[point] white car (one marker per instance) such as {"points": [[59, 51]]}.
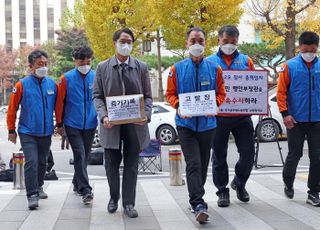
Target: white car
{"points": [[4, 109], [271, 126], [163, 125]]}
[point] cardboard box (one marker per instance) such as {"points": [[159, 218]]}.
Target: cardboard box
{"points": [[125, 109]]}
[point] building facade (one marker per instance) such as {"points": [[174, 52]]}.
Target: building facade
{"points": [[31, 22]]}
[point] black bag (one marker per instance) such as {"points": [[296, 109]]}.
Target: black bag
{"points": [[6, 175], [96, 157], [51, 175]]}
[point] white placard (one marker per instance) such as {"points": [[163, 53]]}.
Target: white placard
{"points": [[200, 103], [247, 92], [125, 107]]}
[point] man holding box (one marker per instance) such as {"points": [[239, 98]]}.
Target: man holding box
{"points": [[116, 76], [196, 133]]}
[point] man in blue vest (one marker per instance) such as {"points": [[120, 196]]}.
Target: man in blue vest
{"points": [[196, 134], [36, 96], [298, 98], [240, 126], [75, 111]]}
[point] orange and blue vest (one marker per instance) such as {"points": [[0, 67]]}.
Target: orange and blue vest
{"points": [[193, 78], [79, 110], [303, 97], [37, 106]]}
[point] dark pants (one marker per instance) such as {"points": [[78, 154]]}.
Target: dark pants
{"points": [[196, 147], [242, 129], [64, 142], [296, 137], [50, 161], [80, 141], [130, 153], [35, 150]]}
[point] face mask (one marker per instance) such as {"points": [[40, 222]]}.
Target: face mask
{"points": [[228, 49], [124, 49], [42, 72], [84, 69], [308, 57], [196, 50]]}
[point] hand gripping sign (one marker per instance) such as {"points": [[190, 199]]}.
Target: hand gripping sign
{"points": [[202, 103], [247, 92], [125, 109]]}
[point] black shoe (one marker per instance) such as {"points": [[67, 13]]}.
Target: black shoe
{"points": [[224, 199], [112, 205], [242, 193], [33, 202], [313, 199], [201, 214], [130, 212], [288, 191], [87, 198], [76, 190]]}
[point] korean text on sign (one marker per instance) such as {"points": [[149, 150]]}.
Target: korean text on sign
{"points": [[247, 92], [198, 103]]}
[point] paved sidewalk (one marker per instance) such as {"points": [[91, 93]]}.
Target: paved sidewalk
{"points": [[161, 206]]}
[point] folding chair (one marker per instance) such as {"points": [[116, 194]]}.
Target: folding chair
{"points": [[150, 157]]}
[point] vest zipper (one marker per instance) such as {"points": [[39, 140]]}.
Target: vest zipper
{"points": [[85, 103], [310, 86], [197, 89], [44, 109]]}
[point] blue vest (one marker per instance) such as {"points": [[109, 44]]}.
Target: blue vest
{"points": [[37, 106], [239, 62], [304, 90], [79, 110], [192, 79]]}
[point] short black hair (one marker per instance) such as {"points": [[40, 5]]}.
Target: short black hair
{"points": [[118, 33], [197, 29], [82, 52], [38, 53], [230, 30], [309, 38]]}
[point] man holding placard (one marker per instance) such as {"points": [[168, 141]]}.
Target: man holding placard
{"points": [[123, 100], [299, 103], [239, 125], [195, 89]]}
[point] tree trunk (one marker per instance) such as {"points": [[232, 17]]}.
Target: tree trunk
{"points": [[290, 37], [160, 87]]}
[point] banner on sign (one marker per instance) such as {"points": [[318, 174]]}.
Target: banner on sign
{"points": [[247, 92], [198, 103], [125, 109]]}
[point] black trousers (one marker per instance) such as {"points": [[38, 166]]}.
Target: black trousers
{"points": [[196, 148], [80, 141], [242, 129], [296, 137], [128, 150]]}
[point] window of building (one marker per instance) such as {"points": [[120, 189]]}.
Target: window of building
{"points": [[22, 18], [36, 22]]}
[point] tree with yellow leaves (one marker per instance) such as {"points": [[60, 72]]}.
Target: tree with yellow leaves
{"points": [[283, 18]]}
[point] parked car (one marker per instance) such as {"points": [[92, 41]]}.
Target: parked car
{"points": [[162, 125], [4, 109], [271, 126]]}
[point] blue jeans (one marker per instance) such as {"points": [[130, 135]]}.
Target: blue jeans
{"points": [[35, 150]]}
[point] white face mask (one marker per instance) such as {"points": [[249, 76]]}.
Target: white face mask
{"points": [[42, 72], [228, 49], [124, 49], [196, 50], [308, 57], [84, 69]]}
